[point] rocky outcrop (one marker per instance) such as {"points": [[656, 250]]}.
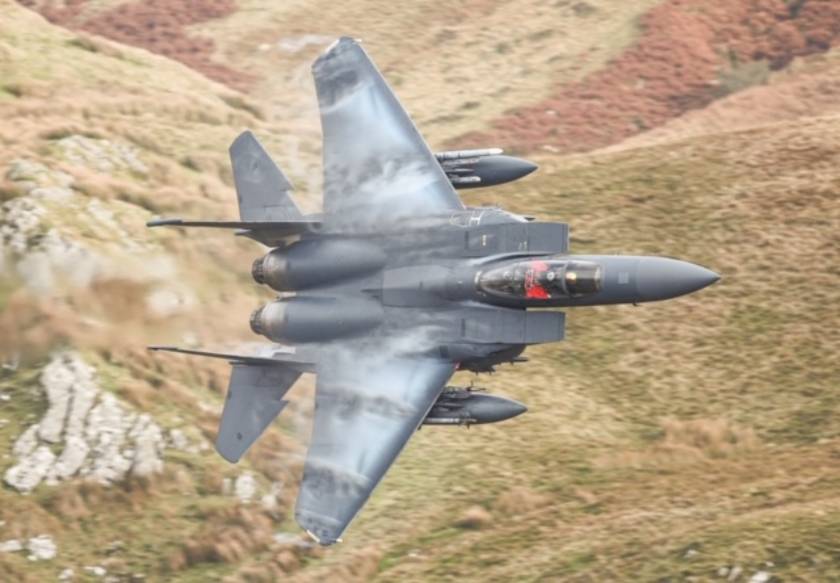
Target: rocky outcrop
{"points": [[98, 437], [102, 155]]}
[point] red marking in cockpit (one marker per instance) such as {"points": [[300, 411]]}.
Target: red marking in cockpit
{"points": [[534, 290]]}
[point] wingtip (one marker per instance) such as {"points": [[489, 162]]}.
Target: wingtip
{"points": [[322, 542], [246, 137], [337, 46]]}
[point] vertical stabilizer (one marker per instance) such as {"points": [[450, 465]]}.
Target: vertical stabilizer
{"points": [[263, 191]]}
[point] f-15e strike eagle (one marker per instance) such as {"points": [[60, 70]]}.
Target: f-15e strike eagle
{"points": [[396, 285]]}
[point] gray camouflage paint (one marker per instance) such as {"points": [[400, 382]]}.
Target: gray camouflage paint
{"points": [[397, 285]]}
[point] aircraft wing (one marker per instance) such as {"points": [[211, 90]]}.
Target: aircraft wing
{"points": [[365, 411], [377, 167]]}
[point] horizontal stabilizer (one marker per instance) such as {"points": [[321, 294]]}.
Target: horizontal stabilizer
{"points": [[261, 187], [233, 358], [254, 399], [269, 233]]}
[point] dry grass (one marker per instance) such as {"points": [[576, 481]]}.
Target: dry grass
{"points": [[706, 423]]}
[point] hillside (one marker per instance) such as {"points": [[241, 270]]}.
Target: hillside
{"points": [[695, 439]]}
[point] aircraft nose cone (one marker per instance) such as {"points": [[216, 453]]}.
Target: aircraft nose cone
{"points": [[660, 278]]}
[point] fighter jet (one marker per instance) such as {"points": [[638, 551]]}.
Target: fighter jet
{"points": [[394, 287]]}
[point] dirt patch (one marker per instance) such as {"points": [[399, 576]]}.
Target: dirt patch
{"points": [[689, 55], [159, 26]]}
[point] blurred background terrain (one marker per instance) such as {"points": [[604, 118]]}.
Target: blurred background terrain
{"points": [[697, 439]]}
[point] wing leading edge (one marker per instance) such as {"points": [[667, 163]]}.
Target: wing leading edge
{"points": [[377, 167], [365, 412]]}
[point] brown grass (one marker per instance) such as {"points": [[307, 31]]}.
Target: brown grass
{"points": [[687, 57]]}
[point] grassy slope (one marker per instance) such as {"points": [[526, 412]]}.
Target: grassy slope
{"points": [[623, 481], [705, 423], [56, 84]]}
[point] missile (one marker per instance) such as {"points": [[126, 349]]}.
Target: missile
{"points": [[467, 406], [478, 168], [461, 154]]}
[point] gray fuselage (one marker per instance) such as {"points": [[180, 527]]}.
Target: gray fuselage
{"points": [[461, 283]]}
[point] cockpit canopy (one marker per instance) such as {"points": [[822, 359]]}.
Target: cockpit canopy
{"points": [[541, 279]]}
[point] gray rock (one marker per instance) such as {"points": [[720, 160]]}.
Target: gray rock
{"points": [[760, 577]]}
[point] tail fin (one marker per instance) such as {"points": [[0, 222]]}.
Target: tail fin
{"points": [[261, 187]]}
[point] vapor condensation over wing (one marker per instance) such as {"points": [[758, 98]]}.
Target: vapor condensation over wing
{"points": [[366, 409], [377, 167]]}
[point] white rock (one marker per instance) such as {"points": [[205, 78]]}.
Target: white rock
{"points": [[72, 458], [66, 575], [41, 548], [148, 440], [31, 174], [101, 155], [84, 395], [178, 439], [269, 500], [52, 193], [27, 442], [101, 438], [57, 379], [294, 44], [245, 487], [11, 546], [96, 570], [760, 577], [287, 538], [734, 573], [20, 219], [30, 470], [165, 302], [106, 429]]}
